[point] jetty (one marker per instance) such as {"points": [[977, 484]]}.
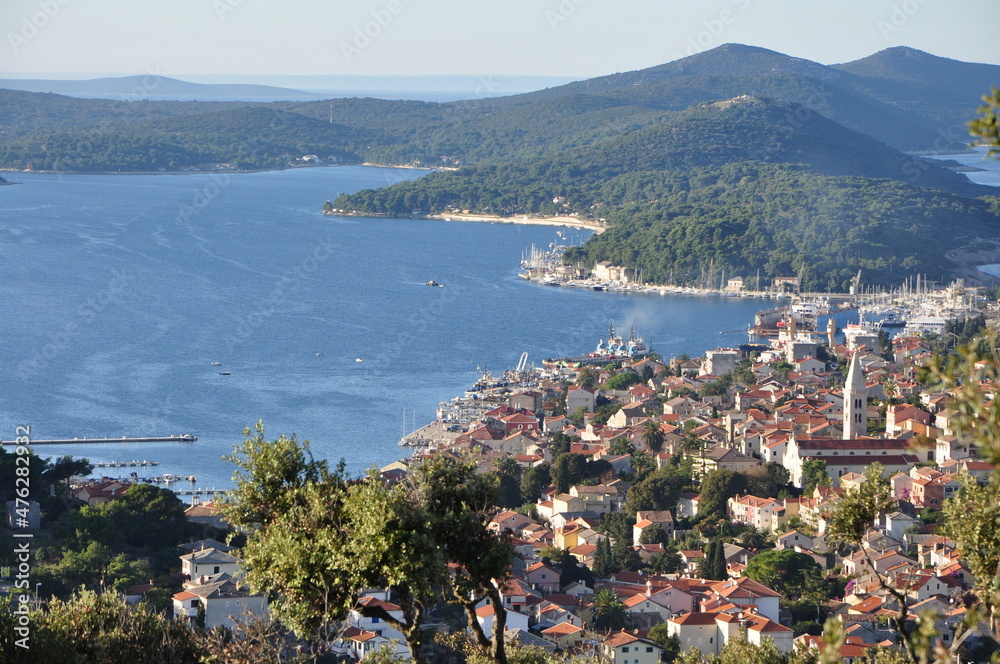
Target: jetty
{"points": [[183, 438], [125, 464]]}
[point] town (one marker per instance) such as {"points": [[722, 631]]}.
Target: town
{"points": [[667, 507]]}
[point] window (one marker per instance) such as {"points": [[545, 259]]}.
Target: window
{"points": [[625, 649], [375, 619], [711, 640], [216, 570], [649, 648]]}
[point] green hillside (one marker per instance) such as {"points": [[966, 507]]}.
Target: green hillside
{"points": [[741, 185]]}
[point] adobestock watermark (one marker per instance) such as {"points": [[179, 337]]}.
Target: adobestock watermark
{"points": [[202, 197], [33, 24], [224, 7], [562, 12], [901, 14], [60, 339], [713, 29], [22, 539], [288, 283], [88, 151], [364, 35]]}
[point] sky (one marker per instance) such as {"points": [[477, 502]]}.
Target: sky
{"points": [[575, 38]]}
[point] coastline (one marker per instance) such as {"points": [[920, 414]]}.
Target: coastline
{"points": [[572, 222]]}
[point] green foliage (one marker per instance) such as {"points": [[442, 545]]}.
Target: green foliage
{"points": [[653, 436], [713, 565], [533, 481], [609, 611], [604, 560], [813, 475], [102, 629], [617, 525], [660, 635], [787, 571], [625, 556], [987, 125], [717, 487], [659, 490], [621, 381]]}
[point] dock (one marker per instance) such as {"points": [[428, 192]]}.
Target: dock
{"points": [[183, 438], [125, 464]]}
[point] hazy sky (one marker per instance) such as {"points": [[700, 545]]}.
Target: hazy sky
{"points": [[580, 38]]}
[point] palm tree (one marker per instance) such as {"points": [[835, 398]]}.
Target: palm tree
{"points": [[653, 436], [751, 538], [609, 610], [508, 466]]}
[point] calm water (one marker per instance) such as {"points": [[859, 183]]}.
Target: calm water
{"points": [[120, 291]]}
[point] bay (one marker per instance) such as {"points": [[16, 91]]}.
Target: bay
{"points": [[120, 291]]}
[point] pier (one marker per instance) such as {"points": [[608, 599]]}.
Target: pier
{"points": [[183, 438], [125, 464]]}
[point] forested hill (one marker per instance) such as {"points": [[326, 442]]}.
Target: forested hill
{"points": [[908, 102], [742, 185]]}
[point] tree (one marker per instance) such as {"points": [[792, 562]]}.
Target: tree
{"points": [[659, 491], [987, 126], [848, 525], [609, 611], [533, 481], [625, 555], [604, 560], [332, 538], [713, 565], [814, 475], [653, 436], [660, 635], [567, 470], [717, 487], [752, 538], [101, 627], [667, 562], [786, 571]]}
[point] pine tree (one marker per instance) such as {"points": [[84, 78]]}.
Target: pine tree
{"points": [[719, 564], [604, 563]]}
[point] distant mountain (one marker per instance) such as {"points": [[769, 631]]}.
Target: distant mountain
{"points": [[151, 86], [744, 184], [940, 89], [751, 129], [739, 157]]}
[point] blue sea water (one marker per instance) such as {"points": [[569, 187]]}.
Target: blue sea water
{"points": [[120, 291]]}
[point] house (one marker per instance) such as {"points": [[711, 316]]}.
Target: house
{"points": [[375, 625], [206, 562], [644, 519], [579, 397], [223, 599], [601, 498], [564, 635], [698, 631], [748, 593], [206, 513], [641, 605], [542, 577], [625, 648], [100, 492], [358, 645], [515, 620], [765, 514]]}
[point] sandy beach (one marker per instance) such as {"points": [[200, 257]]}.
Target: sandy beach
{"points": [[572, 222]]}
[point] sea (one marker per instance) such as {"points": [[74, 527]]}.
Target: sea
{"points": [[121, 292], [126, 297]]}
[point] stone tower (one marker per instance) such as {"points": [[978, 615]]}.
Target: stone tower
{"points": [[855, 401]]}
